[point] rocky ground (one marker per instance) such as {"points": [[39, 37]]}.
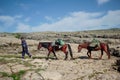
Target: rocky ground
{"points": [[12, 67]]}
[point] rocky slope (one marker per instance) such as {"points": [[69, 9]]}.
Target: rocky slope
{"points": [[12, 67]]}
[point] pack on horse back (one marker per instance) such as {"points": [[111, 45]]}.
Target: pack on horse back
{"points": [[59, 42], [94, 44]]}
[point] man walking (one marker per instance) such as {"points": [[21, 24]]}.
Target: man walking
{"points": [[24, 48]]}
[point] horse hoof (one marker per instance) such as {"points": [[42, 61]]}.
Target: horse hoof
{"points": [[56, 59], [65, 59], [46, 58], [90, 58], [72, 59], [100, 58]]}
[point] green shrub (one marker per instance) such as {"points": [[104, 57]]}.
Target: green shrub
{"points": [[15, 76], [17, 35]]}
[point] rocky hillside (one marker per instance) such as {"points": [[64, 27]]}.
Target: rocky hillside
{"points": [[13, 67], [71, 37]]}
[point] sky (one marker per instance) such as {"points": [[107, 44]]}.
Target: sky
{"points": [[58, 15]]}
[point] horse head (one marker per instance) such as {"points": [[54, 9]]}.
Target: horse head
{"points": [[39, 46]]}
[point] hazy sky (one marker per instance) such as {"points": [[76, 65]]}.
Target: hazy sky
{"points": [[58, 15]]}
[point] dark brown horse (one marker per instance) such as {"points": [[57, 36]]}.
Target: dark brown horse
{"points": [[53, 48], [102, 47]]}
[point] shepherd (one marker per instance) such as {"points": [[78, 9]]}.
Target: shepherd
{"points": [[24, 48]]}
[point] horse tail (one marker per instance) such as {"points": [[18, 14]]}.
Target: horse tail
{"points": [[70, 50], [108, 49]]}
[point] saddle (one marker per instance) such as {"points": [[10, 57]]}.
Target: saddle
{"points": [[94, 44], [59, 43]]}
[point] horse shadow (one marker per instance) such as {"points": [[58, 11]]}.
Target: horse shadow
{"points": [[85, 57], [52, 58]]}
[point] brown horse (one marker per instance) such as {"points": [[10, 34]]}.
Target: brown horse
{"points": [[53, 48], [102, 47]]}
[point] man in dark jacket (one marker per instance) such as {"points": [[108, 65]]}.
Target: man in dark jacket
{"points": [[24, 48]]}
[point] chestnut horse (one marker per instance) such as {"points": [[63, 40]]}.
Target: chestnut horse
{"points": [[53, 48], [102, 47]]}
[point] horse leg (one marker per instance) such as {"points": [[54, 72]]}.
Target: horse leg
{"points": [[106, 49], [66, 55], [108, 53], [101, 54], [48, 56], [65, 52], [90, 55], [55, 55]]}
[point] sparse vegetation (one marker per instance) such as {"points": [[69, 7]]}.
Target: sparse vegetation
{"points": [[38, 68], [16, 59], [94, 74], [15, 76], [17, 35]]}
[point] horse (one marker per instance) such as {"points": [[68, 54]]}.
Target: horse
{"points": [[103, 47], [53, 48]]}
